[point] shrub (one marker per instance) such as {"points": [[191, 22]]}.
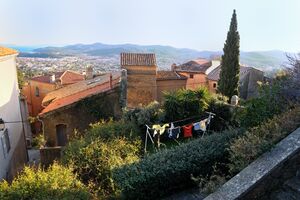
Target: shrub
{"points": [[223, 118], [94, 161], [169, 170], [185, 103], [103, 148], [211, 183], [260, 139], [270, 102], [57, 182], [38, 141], [152, 113], [107, 130]]}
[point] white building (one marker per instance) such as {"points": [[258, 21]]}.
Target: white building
{"points": [[13, 153]]}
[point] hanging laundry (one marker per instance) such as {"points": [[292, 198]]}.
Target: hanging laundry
{"points": [[187, 131], [174, 132], [203, 125], [200, 125], [159, 129]]}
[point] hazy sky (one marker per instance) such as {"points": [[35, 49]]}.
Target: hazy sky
{"points": [[197, 24]]}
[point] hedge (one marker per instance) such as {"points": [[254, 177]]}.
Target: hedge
{"points": [[57, 182], [262, 138], [170, 170]]}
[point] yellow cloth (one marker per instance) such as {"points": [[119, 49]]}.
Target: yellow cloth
{"points": [[159, 129], [203, 125]]}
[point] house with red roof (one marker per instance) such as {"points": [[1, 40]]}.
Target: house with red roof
{"points": [[38, 87], [76, 106], [146, 83]]}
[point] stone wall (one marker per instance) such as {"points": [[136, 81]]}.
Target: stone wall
{"points": [[198, 79], [49, 155], [141, 85], [264, 175], [168, 86], [79, 116]]}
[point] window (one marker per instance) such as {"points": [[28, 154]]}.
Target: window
{"points": [[37, 92], [214, 85], [5, 141], [191, 75]]}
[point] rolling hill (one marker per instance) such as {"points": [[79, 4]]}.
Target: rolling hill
{"points": [[166, 55]]}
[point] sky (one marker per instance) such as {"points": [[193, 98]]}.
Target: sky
{"points": [[197, 24]]}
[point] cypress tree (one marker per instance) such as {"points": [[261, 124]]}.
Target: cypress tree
{"points": [[230, 68]]}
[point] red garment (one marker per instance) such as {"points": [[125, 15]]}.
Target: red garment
{"points": [[187, 131]]}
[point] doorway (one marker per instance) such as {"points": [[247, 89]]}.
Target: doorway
{"points": [[61, 135]]}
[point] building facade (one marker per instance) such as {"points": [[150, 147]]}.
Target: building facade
{"points": [[38, 87], [248, 81], [76, 106], [13, 152], [146, 84]]}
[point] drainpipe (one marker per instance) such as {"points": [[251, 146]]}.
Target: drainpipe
{"points": [[23, 128]]}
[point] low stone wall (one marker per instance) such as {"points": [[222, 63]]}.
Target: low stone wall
{"points": [[265, 174], [49, 155]]}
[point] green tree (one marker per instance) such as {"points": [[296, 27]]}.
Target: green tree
{"points": [[21, 79], [230, 67]]}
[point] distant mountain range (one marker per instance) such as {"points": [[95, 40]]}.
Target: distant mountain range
{"points": [[166, 55]]}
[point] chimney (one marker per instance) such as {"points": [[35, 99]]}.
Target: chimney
{"points": [[173, 67], [52, 78], [89, 73], [110, 80]]}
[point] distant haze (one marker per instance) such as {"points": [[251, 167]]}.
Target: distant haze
{"points": [[268, 61], [197, 24]]}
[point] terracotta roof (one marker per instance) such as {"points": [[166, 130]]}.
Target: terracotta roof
{"points": [[169, 75], [69, 77], [77, 87], [138, 59], [77, 95], [198, 65], [7, 51], [66, 77], [47, 78], [215, 74]]}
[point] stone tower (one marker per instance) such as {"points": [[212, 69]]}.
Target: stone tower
{"points": [[141, 78]]}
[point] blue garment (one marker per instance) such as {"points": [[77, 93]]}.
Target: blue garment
{"points": [[197, 126]]}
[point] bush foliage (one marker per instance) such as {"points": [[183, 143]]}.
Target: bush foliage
{"points": [[167, 171], [150, 114], [259, 139], [270, 102], [57, 182], [105, 147], [185, 103]]}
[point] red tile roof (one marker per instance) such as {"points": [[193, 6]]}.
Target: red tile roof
{"points": [[7, 51], [138, 59], [69, 77], [169, 75], [47, 78], [65, 77], [69, 95], [197, 66]]}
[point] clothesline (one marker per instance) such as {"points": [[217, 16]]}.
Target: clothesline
{"points": [[175, 131], [185, 119]]}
